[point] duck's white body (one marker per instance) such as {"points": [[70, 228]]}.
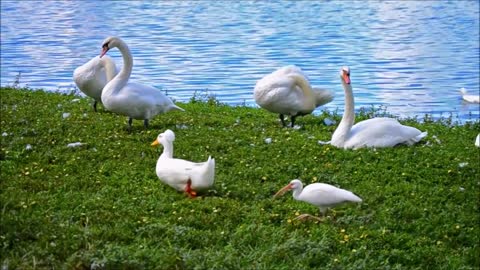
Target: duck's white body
{"points": [[321, 195], [376, 132], [469, 98], [92, 76], [137, 101], [181, 174], [477, 141], [287, 91]]}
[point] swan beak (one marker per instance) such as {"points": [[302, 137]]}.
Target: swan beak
{"points": [[155, 143], [283, 191], [346, 78], [104, 51]]}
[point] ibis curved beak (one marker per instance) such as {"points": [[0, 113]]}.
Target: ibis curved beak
{"points": [[155, 143], [283, 191]]}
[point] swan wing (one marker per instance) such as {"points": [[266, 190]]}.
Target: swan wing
{"points": [[382, 132]]}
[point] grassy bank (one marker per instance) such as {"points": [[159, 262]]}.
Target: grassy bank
{"points": [[101, 205]]}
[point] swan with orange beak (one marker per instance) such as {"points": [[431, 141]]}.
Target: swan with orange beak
{"points": [[322, 195]]}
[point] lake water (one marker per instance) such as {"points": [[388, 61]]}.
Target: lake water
{"points": [[410, 56]]}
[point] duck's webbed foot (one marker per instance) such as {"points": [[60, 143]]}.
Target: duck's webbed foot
{"points": [[188, 189]]}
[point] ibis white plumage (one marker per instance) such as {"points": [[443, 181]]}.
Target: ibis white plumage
{"points": [[322, 195]]}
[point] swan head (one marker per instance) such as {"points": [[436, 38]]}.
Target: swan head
{"points": [[345, 74], [109, 43], [293, 185], [166, 137]]}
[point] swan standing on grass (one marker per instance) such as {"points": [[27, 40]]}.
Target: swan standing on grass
{"points": [[287, 91], [322, 195], [181, 174], [137, 101], [375, 132], [91, 77], [469, 98]]}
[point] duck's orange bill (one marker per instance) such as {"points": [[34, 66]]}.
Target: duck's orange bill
{"points": [[282, 191], [155, 143]]}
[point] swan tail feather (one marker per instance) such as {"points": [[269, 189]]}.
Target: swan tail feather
{"points": [[174, 107], [353, 198], [322, 96], [210, 170]]}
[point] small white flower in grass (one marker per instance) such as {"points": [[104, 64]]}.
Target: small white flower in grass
{"points": [[14, 107], [65, 115], [329, 122], [182, 126], [75, 100], [84, 115], [436, 139], [59, 105], [268, 140], [461, 189], [4, 134], [28, 147], [75, 144], [462, 164], [297, 127]]}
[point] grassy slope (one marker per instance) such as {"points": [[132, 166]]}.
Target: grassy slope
{"points": [[102, 204]]}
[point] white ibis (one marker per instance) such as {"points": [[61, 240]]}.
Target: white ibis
{"points": [[322, 195]]}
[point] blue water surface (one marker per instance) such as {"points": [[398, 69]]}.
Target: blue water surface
{"points": [[411, 57]]}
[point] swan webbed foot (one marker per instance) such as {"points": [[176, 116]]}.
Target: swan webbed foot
{"points": [[304, 217], [292, 120], [130, 121], [283, 120], [145, 123]]}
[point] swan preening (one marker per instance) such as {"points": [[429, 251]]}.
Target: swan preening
{"points": [[137, 101], [375, 132], [287, 91], [92, 76], [181, 174], [469, 98], [322, 195]]}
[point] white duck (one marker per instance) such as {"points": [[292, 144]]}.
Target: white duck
{"points": [[92, 76], [181, 174], [322, 195], [375, 132], [287, 91], [477, 140], [137, 101], [469, 98]]}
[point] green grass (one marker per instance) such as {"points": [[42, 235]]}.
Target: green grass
{"points": [[102, 206]]}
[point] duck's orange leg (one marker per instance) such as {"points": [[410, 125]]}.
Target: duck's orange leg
{"points": [[188, 189]]}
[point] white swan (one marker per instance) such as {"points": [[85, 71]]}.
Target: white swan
{"points": [[137, 101], [375, 132], [322, 195], [181, 174], [469, 98], [287, 91], [92, 76]]}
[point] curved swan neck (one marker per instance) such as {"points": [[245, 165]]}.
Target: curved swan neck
{"points": [[296, 192], [127, 61], [348, 115]]}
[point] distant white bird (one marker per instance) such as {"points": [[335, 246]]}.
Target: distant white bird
{"points": [[477, 141], [469, 98], [287, 91], [181, 174], [92, 76], [137, 101], [375, 132], [322, 195]]}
